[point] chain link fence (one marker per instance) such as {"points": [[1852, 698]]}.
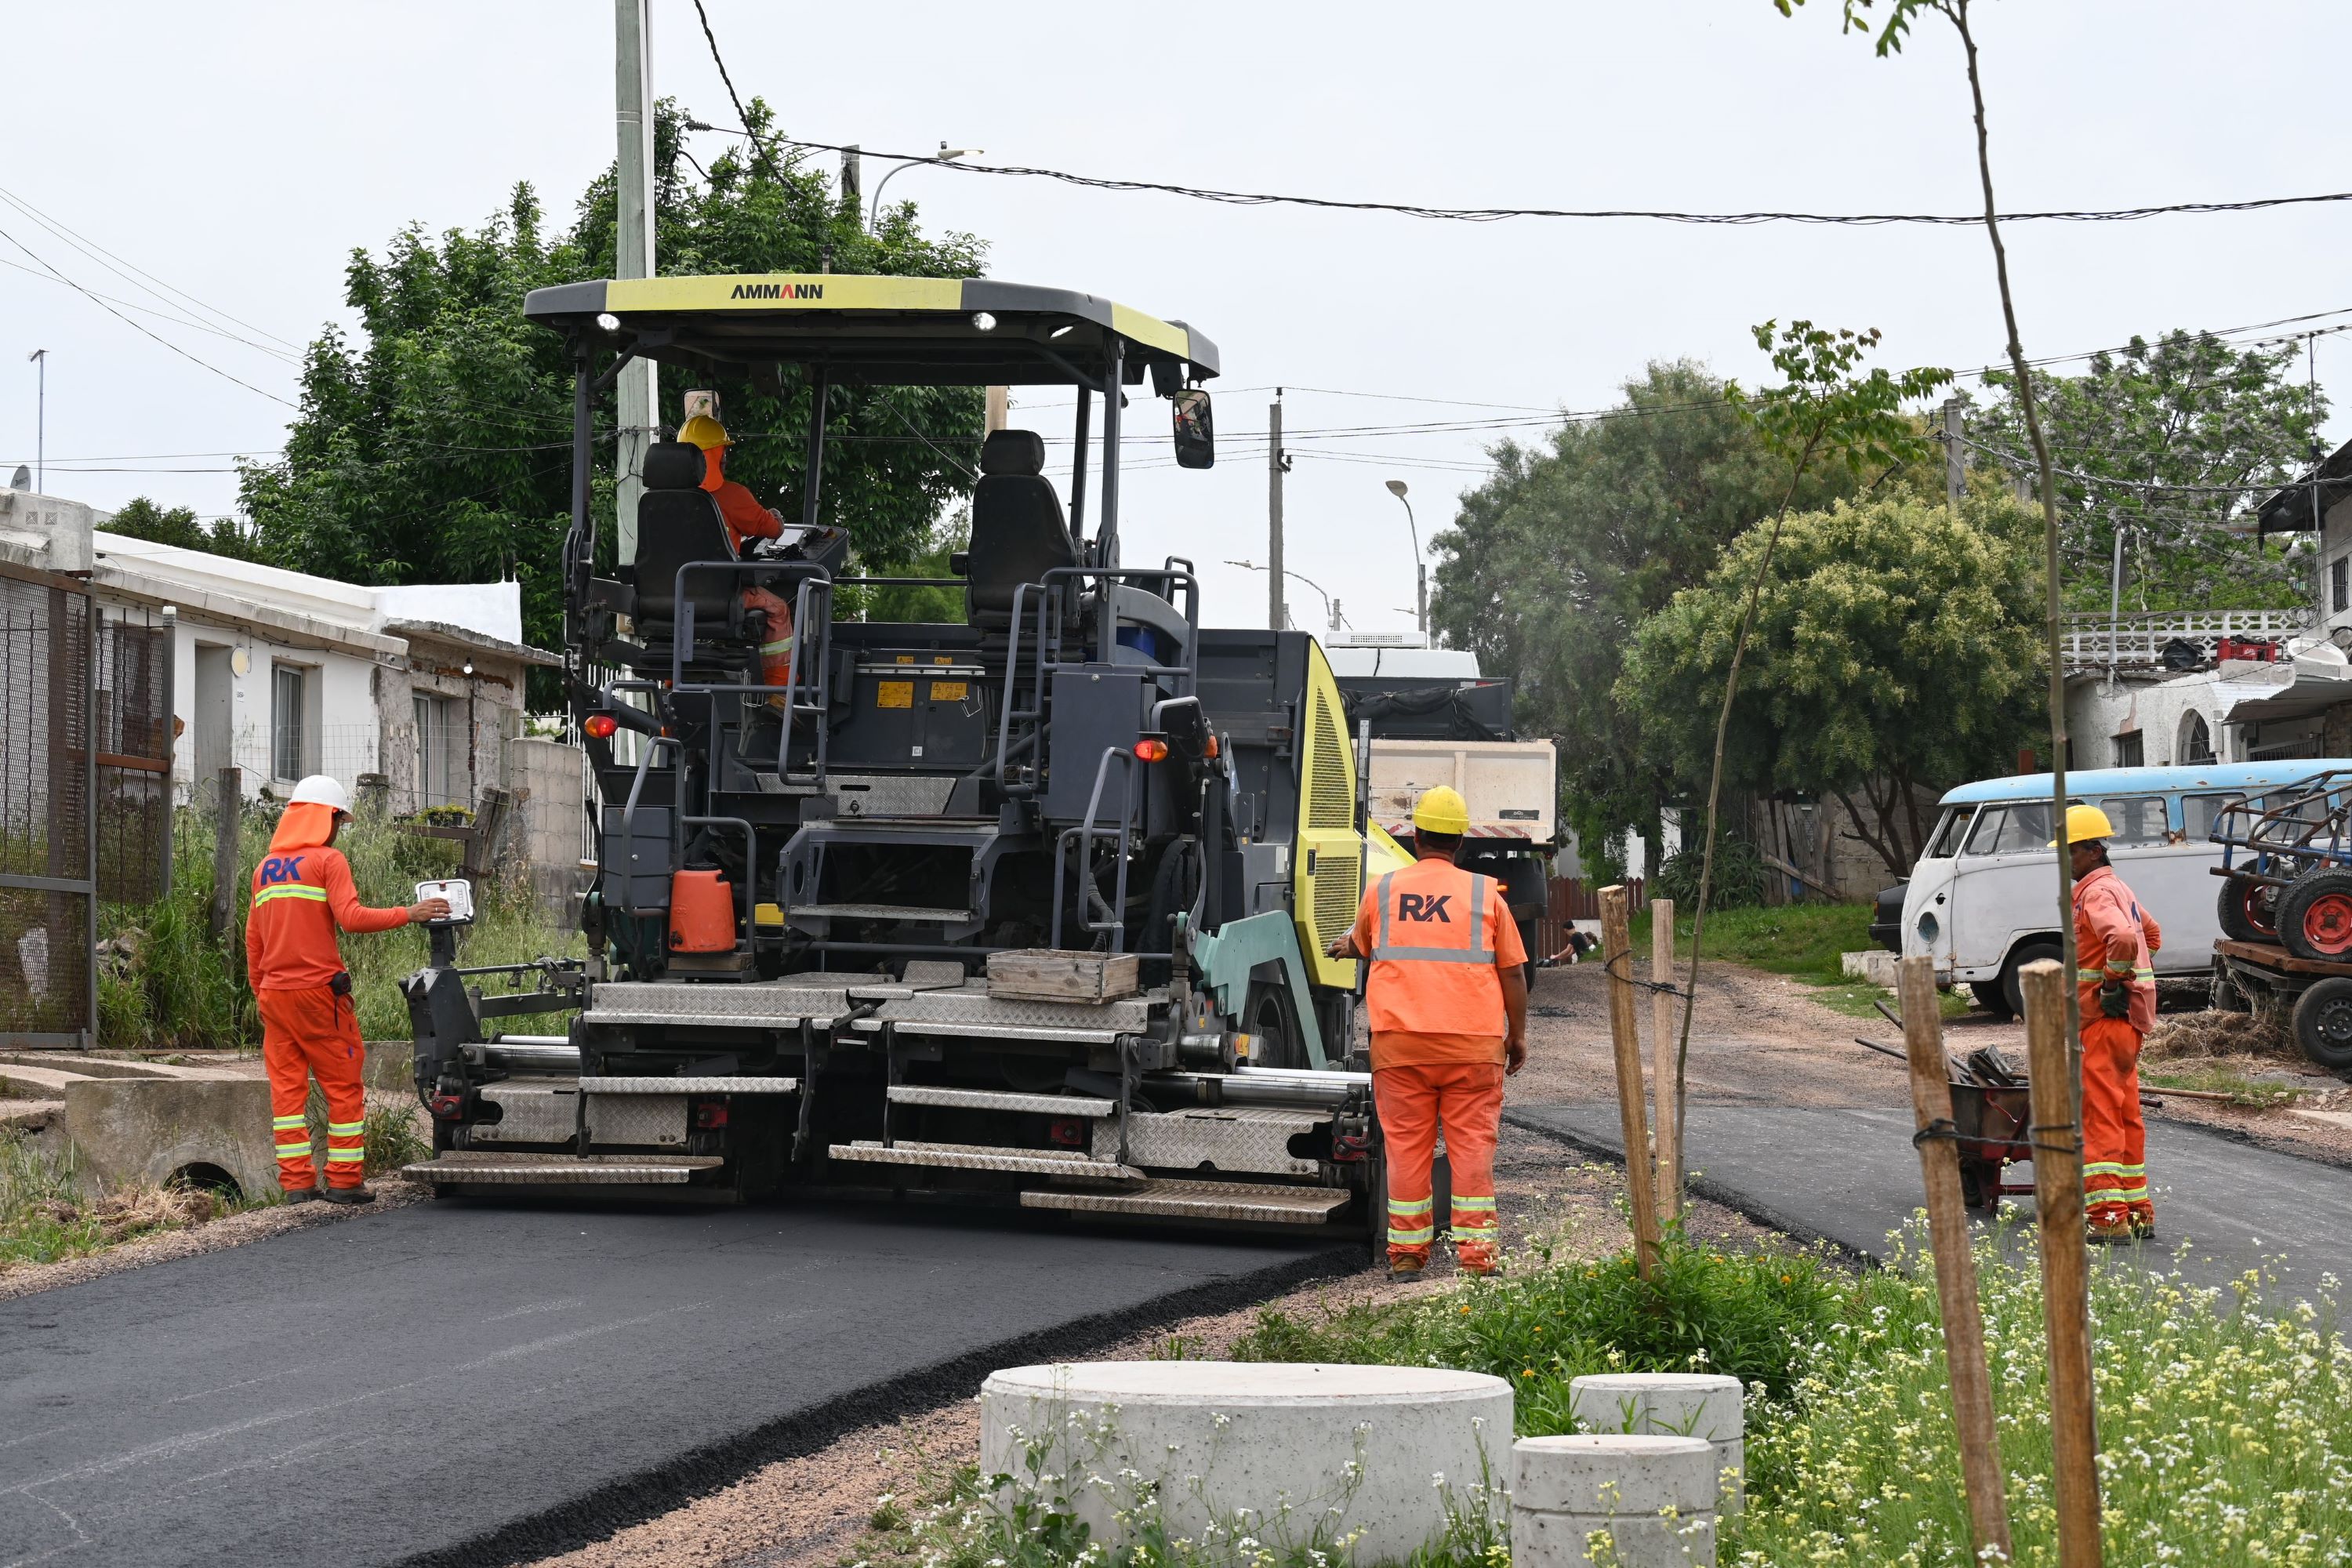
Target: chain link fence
{"points": [[47, 878]]}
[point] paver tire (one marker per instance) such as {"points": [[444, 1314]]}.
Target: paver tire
{"points": [[2027, 952], [2314, 916], [2322, 1024], [2248, 909]]}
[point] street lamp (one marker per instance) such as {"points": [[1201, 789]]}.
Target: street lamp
{"points": [[944, 156], [40, 358], [1330, 605], [1421, 570]]}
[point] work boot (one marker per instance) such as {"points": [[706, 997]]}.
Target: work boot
{"points": [[2143, 1221], [1407, 1268], [300, 1194], [2106, 1226], [348, 1195]]}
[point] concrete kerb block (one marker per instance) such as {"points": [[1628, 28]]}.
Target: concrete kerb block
{"points": [[1631, 1500], [1709, 1406], [127, 1129], [1360, 1461], [1874, 966]]}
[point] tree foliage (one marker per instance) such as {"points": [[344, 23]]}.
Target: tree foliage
{"points": [[2224, 424], [1551, 564], [434, 442], [1895, 648], [143, 518]]}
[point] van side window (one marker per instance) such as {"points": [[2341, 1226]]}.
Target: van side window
{"points": [[2200, 812], [1946, 843], [2010, 830], [2138, 819]]}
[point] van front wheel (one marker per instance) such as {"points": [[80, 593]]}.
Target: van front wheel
{"points": [[2027, 952]]}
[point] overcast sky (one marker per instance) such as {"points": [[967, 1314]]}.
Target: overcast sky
{"points": [[239, 152]]}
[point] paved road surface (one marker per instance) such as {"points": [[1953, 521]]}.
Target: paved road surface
{"points": [[1849, 1174], [454, 1382]]}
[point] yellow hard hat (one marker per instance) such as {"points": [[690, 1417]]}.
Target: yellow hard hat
{"points": [[1442, 810], [704, 432], [2084, 822]]}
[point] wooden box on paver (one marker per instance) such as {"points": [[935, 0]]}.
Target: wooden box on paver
{"points": [[1376, 1452]]}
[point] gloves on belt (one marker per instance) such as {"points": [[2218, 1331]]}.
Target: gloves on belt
{"points": [[2114, 999]]}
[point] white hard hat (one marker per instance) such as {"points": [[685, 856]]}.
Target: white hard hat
{"points": [[320, 790]]}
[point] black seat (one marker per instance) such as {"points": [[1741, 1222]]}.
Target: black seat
{"points": [[1018, 530], [678, 521]]}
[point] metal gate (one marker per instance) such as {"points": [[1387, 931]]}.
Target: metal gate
{"points": [[132, 718], [49, 868]]}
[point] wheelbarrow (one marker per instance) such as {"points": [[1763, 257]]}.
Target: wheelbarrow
{"points": [[1991, 1108]]}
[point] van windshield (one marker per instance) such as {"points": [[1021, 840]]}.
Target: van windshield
{"points": [[2010, 829], [1946, 842]]}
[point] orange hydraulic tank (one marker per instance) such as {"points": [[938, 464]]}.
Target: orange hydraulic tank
{"points": [[701, 912]]}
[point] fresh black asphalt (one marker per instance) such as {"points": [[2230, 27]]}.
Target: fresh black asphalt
{"points": [[1850, 1176], [455, 1383]]}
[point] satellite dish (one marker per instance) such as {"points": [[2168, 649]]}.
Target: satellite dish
{"points": [[22, 479]]}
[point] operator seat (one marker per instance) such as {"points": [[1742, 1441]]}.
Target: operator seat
{"points": [[1018, 530], [677, 522]]}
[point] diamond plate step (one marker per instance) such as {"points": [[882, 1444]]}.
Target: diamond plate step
{"points": [[999, 1100], [602, 1171], [727, 1085], [1169, 1199], [985, 1157]]}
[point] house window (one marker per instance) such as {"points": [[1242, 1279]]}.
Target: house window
{"points": [[441, 752], [2339, 583], [2129, 751], [2196, 742], [293, 745]]}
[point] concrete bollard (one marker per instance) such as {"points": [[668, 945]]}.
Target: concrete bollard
{"points": [[1359, 1461], [1707, 1405], [1631, 1501]]}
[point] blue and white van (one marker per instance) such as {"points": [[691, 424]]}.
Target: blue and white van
{"points": [[1983, 898]]}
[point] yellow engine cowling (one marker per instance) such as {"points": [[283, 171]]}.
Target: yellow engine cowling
{"points": [[1327, 860]]}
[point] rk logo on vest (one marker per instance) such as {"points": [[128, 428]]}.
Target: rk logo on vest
{"points": [[1424, 907]]}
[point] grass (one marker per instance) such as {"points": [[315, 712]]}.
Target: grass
{"points": [[172, 987], [2258, 1094], [44, 1219], [1804, 942]]}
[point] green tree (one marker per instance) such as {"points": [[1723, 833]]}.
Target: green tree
{"points": [[435, 442], [1551, 564], [179, 526], [1895, 649], [2215, 425]]}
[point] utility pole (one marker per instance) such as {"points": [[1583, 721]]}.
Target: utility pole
{"points": [[852, 177], [1956, 468], [2115, 601], [638, 389], [1276, 463], [40, 358]]}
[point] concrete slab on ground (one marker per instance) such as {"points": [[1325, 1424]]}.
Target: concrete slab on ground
{"points": [[458, 1382], [128, 1129], [1850, 1175]]}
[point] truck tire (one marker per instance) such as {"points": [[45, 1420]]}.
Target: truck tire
{"points": [[2248, 909], [2322, 1024], [2027, 952], [1992, 995], [2314, 916]]}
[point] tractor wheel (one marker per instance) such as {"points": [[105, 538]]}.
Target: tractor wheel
{"points": [[2248, 909], [2314, 916], [2027, 952], [2322, 1024]]}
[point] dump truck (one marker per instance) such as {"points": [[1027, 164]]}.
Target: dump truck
{"points": [[1431, 718], [1028, 905]]}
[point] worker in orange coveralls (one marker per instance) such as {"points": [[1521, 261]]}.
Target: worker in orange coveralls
{"points": [[1448, 995], [302, 891], [2114, 945], [746, 521]]}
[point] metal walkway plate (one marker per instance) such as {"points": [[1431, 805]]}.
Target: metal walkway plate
{"points": [[1070, 1163], [1237, 1201], [756, 1004], [880, 912], [543, 1168], [730, 1085], [999, 1100]]}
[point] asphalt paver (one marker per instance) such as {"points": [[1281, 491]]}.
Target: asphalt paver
{"points": [[457, 1383], [1848, 1174]]}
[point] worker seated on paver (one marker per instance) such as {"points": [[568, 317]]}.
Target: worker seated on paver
{"points": [[301, 892], [1448, 999], [746, 522], [2114, 945]]}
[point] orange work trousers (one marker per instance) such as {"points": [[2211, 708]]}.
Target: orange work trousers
{"points": [[1466, 1100], [776, 648], [2115, 1139], [308, 1031]]}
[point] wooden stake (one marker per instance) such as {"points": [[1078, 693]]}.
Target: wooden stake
{"points": [[228, 785], [1955, 1263], [1662, 1063], [2065, 1275], [1617, 958]]}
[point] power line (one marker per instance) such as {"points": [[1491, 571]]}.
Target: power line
{"points": [[177, 320], [732, 96], [1497, 214]]}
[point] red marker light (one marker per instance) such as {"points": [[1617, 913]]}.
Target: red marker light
{"points": [[1151, 751], [600, 726]]}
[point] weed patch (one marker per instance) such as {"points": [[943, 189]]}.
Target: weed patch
{"points": [[43, 1219]]}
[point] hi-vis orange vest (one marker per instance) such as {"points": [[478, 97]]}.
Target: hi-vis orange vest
{"points": [[1433, 955]]}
